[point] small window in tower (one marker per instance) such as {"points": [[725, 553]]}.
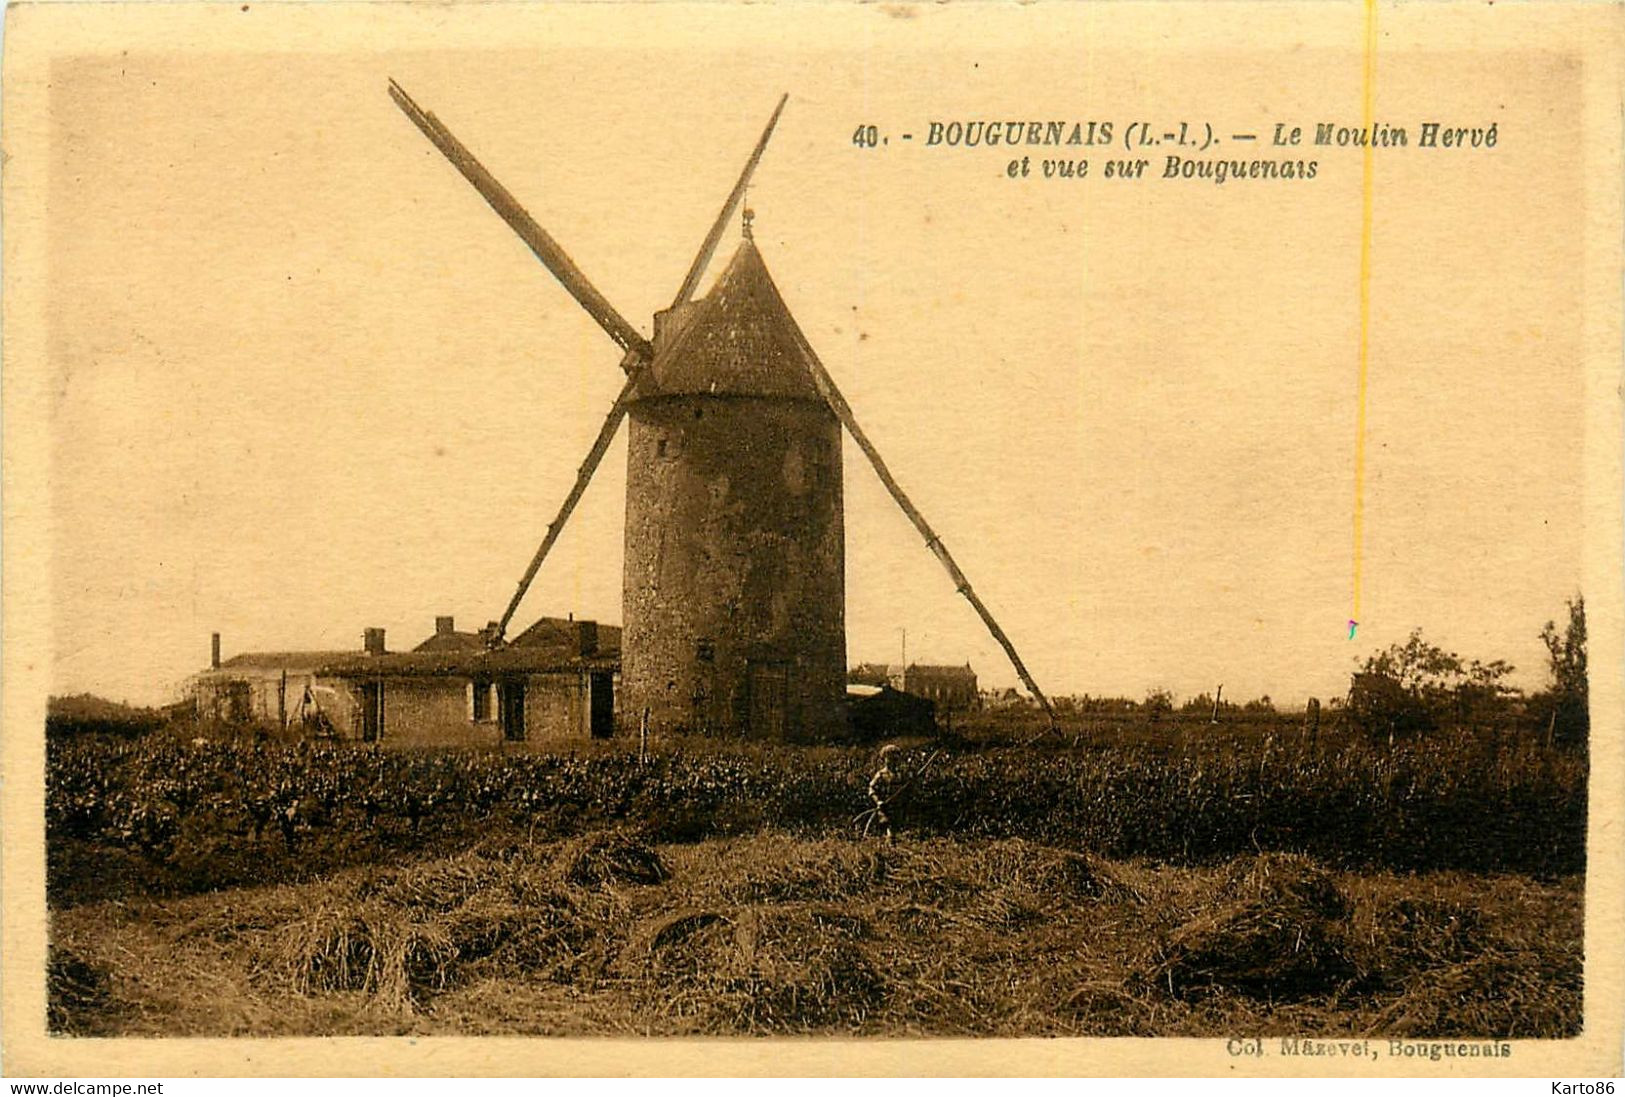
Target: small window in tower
{"points": [[660, 448], [699, 413], [705, 651]]}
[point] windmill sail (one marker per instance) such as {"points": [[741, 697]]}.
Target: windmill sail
{"points": [[634, 363], [541, 244]]}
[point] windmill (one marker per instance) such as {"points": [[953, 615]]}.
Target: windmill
{"points": [[733, 584]]}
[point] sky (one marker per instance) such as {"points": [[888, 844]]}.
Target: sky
{"points": [[303, 381]]}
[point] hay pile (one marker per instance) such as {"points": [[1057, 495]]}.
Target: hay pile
{"points": [[1499, 993], [1052, 875], [399, 938], [774, 934], [775, 941], [779, 968], [606, 858], [77, 994], [371, 947], [1423, 933], [1447, 971], [1271, 927], [782, 869]]}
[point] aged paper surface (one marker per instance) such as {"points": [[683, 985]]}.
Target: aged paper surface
{"points": [[1223, 345]]}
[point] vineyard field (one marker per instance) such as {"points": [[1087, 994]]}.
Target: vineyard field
{"points": [[169, 814]]}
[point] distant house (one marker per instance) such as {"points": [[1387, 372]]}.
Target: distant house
{"points": [[1008, 697], [262, 686], [869, 674], [951, 688], [556, 681]]}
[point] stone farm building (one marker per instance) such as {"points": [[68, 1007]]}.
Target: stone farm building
{"points": [[555, 681]]}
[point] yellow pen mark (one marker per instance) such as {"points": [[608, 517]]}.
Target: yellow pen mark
{"points": [[1367, 112]]}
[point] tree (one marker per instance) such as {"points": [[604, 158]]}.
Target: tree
{"points": [[1566, 705], [1416, 686], [1567, 651], [1204, 706], [1261, 706], [1480, 695]]}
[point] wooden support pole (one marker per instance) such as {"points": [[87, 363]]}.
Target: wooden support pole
{"points": [[843, 411], [600, 446]]}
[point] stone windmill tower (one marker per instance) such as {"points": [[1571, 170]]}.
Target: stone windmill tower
{"points": [[734, 583], [739, 621]]}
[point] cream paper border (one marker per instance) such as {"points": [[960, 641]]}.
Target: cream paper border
{"points": [[37, 33]]}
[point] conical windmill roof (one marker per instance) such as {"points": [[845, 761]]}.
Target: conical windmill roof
{"points": [[737, 340]]}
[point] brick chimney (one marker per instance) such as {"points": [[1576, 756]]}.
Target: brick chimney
{"points": [[587, 634], [372, 641], [214, 650], [445, 626]]}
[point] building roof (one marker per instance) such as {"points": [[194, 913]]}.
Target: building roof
{"points": [[563, 634], [552, 644], [452, 641], [281, 660], [434, 664], [938, 671], [738, 340]]}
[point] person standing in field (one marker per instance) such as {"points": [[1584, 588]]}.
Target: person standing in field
{"points": [[881, 787]]}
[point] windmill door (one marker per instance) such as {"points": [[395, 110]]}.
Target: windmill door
{"points": [[511, 708], [769, 689]]}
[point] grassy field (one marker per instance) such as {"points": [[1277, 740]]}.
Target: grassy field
{"points": [[1174, 881]]}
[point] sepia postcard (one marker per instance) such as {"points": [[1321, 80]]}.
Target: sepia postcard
{"points": [[813, 539]]}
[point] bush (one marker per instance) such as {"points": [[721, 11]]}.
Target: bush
{"points": [[86, 714], [1382, 707], [1417, 687]]}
